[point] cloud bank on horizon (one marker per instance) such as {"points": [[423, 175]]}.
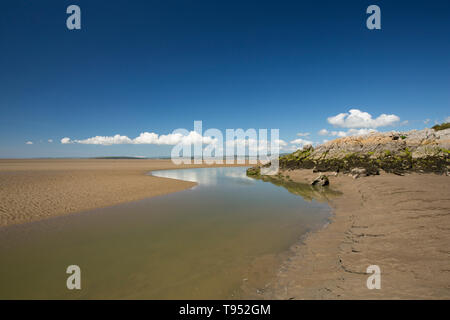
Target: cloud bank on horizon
{"points": [[356, 121], [144, 138], [191, 138]]}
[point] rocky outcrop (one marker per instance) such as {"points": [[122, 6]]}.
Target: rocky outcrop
{"points": [[396, 152]]}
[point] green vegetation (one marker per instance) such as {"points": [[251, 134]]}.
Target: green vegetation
{"points": [[441, 126], [297, 159], [407, 153], [254, 171]]}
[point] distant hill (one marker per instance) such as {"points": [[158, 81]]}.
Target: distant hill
{"points": [[120, 157]]}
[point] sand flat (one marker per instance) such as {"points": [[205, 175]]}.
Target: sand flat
{"points": [[35, 189], [400, 223]]}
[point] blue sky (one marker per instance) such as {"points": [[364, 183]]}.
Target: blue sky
{"points": [[155, 66]]}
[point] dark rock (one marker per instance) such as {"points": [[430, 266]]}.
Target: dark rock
{"points": [[358, 172], [321, 180]]}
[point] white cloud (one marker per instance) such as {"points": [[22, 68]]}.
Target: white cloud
{"points": [[144, 138], [339, 134], [106, 141], [303, 134], [255, 146], [350, 132], [427, 120], [447, 119], [301, 142], [359, 132], [66, 140], [29, 142], [282, 143], [174, 139], [358, 119], [325, 132], [50, 140]]}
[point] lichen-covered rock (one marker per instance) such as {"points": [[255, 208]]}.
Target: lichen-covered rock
{"points": [[397, 152]]}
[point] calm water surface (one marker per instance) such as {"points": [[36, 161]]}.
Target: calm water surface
{"points": [[207, 242]]}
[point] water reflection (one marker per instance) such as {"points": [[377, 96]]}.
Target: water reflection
{"points": [[195, 244], [304, 190], [207, 176]]}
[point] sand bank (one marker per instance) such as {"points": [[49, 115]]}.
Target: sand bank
{"points": [[400, 223], [31, 190]]}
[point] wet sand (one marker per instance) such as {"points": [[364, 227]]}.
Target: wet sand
{"points": [[194, 244], [32, 190], [400, 223]]}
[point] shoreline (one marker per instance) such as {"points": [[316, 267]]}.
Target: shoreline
{"points": [[397, 223], [36, 189]]}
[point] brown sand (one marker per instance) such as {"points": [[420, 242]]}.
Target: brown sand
{"points": [[35, 189], [401, 224]]}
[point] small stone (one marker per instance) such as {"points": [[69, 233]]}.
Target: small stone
{"points": [[357, 172], [321, 180]]}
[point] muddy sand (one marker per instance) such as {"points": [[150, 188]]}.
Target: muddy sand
{"points": [[32, 190], [400, 223]]}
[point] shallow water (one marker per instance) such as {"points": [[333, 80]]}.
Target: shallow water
{"points": [[206, 242]]}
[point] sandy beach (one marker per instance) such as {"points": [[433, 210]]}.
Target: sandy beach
{"points": [[32, 190], [400, 223]]}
